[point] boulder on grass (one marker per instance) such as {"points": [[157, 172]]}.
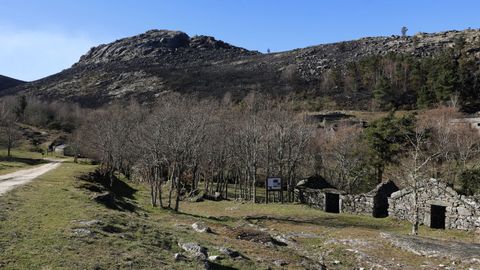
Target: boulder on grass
{"points": [[201, 227]]}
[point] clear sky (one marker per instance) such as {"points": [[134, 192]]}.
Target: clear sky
{"points": [[42, 37]]}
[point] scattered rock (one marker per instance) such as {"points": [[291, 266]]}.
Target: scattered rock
{"points": [[201, 227], [215, 258], [195, 250], [88, 223], [280, 262], [434, 248], [82, 232], [179, 257], [231, 253], [283, 239], [257, 236]]}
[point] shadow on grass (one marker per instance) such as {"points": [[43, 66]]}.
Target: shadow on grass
{"points": [[337, 221], [334, 220], [27, 161], [216, 266], [115, 193], [213, 218]]}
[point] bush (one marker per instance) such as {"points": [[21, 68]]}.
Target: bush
{"points": [[470, 180]]}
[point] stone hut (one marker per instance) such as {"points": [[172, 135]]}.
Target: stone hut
{"points": [[439, 206], [373, 203], [315, 191]]}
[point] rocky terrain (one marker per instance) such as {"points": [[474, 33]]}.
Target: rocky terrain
{"points": [[160, 61], [7, 82]]}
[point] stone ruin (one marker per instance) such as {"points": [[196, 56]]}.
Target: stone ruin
{"points": [[373, 203], [317, 192], [439, 206]]}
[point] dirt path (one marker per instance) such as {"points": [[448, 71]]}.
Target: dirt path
{"points": [[432, 247], [11, 180]]}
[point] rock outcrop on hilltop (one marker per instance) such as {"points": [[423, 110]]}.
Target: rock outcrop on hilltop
{"points": [[148, 65], [155, 46]]}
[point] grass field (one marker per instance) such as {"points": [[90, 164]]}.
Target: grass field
{"points": [[20, 159], [54, 223]]}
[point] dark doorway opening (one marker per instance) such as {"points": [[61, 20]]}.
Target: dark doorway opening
{"points": [[437, 216], [380, 206], [332, 203], [380, 200]]}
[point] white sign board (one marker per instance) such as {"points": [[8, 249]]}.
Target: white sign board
{"points": [[274, 183]]}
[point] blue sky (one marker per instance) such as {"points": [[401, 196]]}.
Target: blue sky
{"points": [[42, 37]]}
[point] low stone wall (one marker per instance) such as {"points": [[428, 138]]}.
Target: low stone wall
{"points": [[364, 204], [353, 204], [312, 197], [357, 204], [462, 212]]}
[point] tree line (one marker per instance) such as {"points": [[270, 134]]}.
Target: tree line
{"points": [[408, 82], [15, 110], [187, 145], [186, 142], [182, 146]]}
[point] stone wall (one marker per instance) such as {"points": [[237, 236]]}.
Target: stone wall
{"points": [[462, 212], [357, 204], [349, 203], [312, 197], [353, 204]]}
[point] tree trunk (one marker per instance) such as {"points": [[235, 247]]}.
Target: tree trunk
{"points": [[171, 188], [266, 190], [153, 195], [254, 187], [177, 199], [416, 221], [9, 147], [159, 190]]}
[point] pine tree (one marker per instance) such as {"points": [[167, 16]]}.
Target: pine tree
{"points": [[382, 93], [385, 138]]}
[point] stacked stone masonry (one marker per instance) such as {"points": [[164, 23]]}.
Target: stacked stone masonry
{"points": [[460, 212]]}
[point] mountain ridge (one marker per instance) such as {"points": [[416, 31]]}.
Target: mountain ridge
{"points": [[148, 65], [7, 82]]}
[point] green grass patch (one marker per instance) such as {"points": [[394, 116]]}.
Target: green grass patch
{"points": [[20, 159], [55, 222]]}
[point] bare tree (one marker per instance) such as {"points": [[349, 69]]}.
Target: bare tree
{"points": [[404, 31], [10, 134], [345, 157], [414, 166]]}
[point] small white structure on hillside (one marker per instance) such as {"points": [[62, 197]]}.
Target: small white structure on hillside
{"points": [[472, 122], [64, 150]]}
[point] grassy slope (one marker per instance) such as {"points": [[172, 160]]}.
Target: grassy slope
{"points": [[37, 223], [20, 159]]}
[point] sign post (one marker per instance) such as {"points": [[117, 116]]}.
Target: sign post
{"points": [[273, 184]]}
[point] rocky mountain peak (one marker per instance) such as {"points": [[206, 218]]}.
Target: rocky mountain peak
{"points": [[146, 66], [152, 43]]}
